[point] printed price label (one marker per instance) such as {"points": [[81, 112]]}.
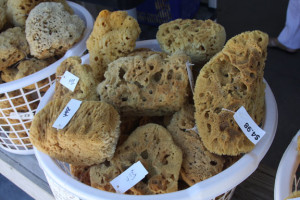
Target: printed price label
{"points": [[21, 115], [69, 80], [253, 132], [190, 74], [131, 176], [67, 114]]}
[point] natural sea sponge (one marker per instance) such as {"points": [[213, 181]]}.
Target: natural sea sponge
{"points": [[25, 68], [151, 85], [18, 10], [81, 173], [89, 138], [13, 47], [3, 18], [198, 163], [113, 36], [86, 86], [231, 79], [51, 30], [153, 146], [197, 38]]}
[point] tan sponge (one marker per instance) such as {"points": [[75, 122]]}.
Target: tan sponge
{"points": [[86, 86], [89, 138], [51, 30], [198, 163], [13, 47], [18, 10], [153, 146], [231, 79], [146, 84], [113, 36], [3, 17], [197, 38], [25, 68]]}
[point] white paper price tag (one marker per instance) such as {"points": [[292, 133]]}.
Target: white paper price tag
{"points": [[21, 115], [69, 80], [131, 176], [253, 132], [67, 114], [190, 74]]}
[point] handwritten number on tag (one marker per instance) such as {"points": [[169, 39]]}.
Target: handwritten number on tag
{"points": [[72, 81], [69, 80], [131, 176], [127, 179], [66, 111]]}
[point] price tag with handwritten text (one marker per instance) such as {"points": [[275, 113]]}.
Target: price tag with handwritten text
{"points": [[131, 176], [66, 115], [253, 132], [69, 80]]}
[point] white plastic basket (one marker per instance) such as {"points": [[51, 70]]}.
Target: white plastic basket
{"points": [[14, 124], [286, 180], [220, 186]]}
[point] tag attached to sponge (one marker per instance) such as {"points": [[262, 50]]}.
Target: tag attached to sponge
{"points": [[69, 80], [129, 178], [66, 115], [253, 132]]}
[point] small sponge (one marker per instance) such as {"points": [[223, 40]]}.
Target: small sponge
{"points": [[86, 86], [26, 68], [153, 146], [198, 163], [113, 36], [13, 47], [197, 38]]}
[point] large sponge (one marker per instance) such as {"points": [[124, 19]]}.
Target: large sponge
{"points": [[89, 138], [231, 79], [146, 84]]}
